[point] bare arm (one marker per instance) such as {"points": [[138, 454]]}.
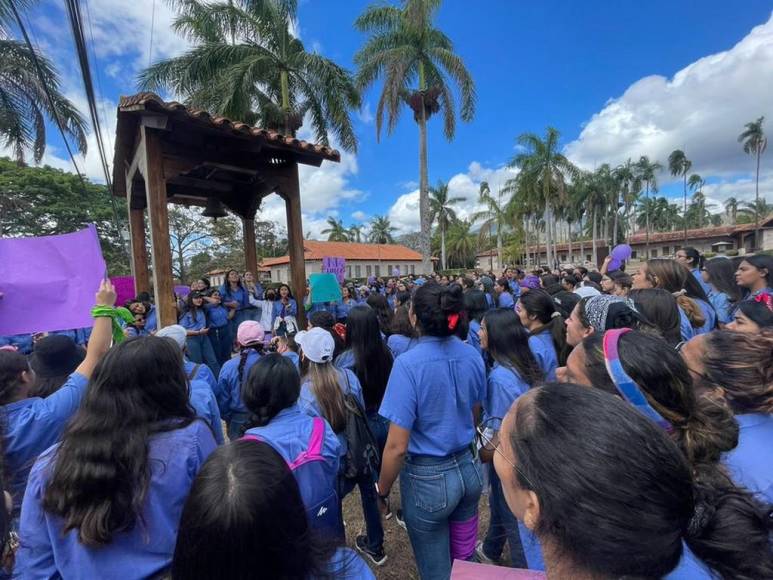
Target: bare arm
{"points": [[102, 335], [394, 454]]}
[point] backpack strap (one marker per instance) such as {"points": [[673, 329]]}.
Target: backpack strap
{"points": [[313, 451], [194, 371], [251, 438]]}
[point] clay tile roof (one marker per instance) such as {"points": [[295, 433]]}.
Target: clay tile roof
{"points": [[315, 250], [151, 101]]}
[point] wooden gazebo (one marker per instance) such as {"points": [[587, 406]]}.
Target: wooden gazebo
{"points": [[167, 153]]}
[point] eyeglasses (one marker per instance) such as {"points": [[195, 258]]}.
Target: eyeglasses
{"points": [[492, 425]]}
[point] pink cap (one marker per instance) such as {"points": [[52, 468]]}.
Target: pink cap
{"points": [[249, 332]]}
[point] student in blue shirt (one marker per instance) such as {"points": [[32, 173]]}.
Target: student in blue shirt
{"points": [[433, 400], [194, 321], [755, 275], [692, 259], [32, 424], [403, 336], [136, 439], [270, 394], [539, 315], [504, 298], [21, 342], [348, 301], [476, 306], [736, 367], [285, 308], [236, 298], [249, 338], [582, 503], [513, 371], [254, 291], [219, 328], [264, 509], [700, 427], [723, 293]]}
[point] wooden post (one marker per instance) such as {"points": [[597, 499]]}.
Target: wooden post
{"points": [[291, 192], [139, 253], [250, 247], [155, 185]]}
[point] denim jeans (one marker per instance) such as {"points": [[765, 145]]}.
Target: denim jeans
{"points": [[503, 526], [200, 351], [380, 429], [235, 423], [220, 337], [440, 506], [373, 525]]}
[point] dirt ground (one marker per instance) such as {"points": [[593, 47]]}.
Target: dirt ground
{"points": [[400, 564]]}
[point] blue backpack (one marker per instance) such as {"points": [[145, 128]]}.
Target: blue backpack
{"points": [[312, 472]]}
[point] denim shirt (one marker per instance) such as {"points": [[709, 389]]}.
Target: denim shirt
{"points": [[217, 315], [174, 459], [240, 296], [432, 391], [346, 564], [543, 349], [504, 386], [345, 360], [751, 462], [399, 343], [190, 322], [229, 387], [204, 403], [722, 306], [33, 425], [505, 300]]}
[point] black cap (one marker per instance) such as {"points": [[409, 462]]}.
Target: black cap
{"points": [[55, 356]]}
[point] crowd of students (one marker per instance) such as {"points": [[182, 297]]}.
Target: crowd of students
{"points": [[621, 425]]}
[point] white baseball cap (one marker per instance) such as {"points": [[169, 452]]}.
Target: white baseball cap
{"points": [[317, 344], [176, 332], [586, 291]]}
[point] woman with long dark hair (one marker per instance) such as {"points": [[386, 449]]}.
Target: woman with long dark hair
{"points": [[599, 313], [692, 259], [107, 500], [719, 275], [258, 529], [403, 336], [660, 309], [755, 275], [753, 315], [513, 371], [198, 345], [347, 302], [697, 314], [249, 338], [476, 306], [32, 424], [540, 316], [738, 369], [285, 311], [433, 401], [235, 297], [626, 512], [622, 360], [385, 314]]}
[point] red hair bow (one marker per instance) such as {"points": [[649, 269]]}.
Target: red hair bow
{"points": [[340, 330], [453, 320], [766, 299]]}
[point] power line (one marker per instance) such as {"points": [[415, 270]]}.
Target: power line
{"points": [[152, 27]]}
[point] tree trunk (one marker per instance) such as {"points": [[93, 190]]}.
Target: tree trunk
{"points": [[443, 246], [757, 239], [424, 238], [537, 251], [499, 247], [569, 241], [595, 235], [616, 207], [284, 82], [547, 231], [647, 217], [684, 217]]}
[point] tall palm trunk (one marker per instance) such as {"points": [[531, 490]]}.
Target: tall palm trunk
{"points": [[595, 235], [757, 239], [443, 245], [647, 217], [547, 231], [582, 243], [537, 250], [284, 82], [616, 208], [424, 242], [569, 241], [684, 217]]}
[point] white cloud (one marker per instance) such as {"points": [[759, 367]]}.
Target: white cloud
{"points": [[702, 109], [365, 114], [404, 213], [360, 216]]}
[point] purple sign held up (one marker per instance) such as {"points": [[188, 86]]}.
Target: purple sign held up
{"points": [[48, 283], [124, 288], [335, 266]]}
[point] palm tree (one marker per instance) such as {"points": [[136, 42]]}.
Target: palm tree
{"points": [[678, 164], [461, 244], [24, 104], [407, 50], [440, 209], [355, 233], [337, 232], [755, 143], [695, 184], [381, 231], [754, 209], [629, 185], [647, 171], [246, 64], [496, 216], [544, 167], [731, 209]]}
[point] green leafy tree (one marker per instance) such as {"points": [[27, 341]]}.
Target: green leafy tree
{"points": [[679, 165], [24, 105], [381, 231], [336, 231], [441, 210], [461, 244], [246, 64], [755, 143], [419, 67], [494, 218], [751, 210], [43, 201], [731, 209], [355, 233], [647, 171]]}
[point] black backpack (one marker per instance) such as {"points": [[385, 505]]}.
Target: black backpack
{"points": [[362, 457]]}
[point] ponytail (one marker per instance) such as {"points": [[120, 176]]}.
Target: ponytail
{"points": [[540, 304], [691, 309], [326, 387]]}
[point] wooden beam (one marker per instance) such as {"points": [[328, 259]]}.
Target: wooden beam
{"points": [[250, 247], [159, 228], [139, 253], [291, 192], [207, 185]]}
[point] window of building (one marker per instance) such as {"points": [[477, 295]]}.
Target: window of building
{"points": [[633, 253], [413, 269], [368, 270], [654, 253], [587, 257], [378, 270], [389, 269], [666, 250], [357, 271], [348, 271]]}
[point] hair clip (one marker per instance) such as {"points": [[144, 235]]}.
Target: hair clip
{"points": [[453, 320], [625, 385], [765, 299]]}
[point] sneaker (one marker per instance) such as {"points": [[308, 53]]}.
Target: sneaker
{"points": [[399, 519], [378, 557], [480, 555]]}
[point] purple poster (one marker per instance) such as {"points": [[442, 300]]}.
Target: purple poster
{"points": [[182, 291], [124, 288], [48, 283], [335, 266]]}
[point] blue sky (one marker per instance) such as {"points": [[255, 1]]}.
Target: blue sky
{"points": [[602, 73]]}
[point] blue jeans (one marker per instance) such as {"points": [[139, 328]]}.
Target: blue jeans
{"points": [[380, 429], [370, 511], [200, 351], [503, 526], [220, 337], [235, 423], [440, 506]]}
